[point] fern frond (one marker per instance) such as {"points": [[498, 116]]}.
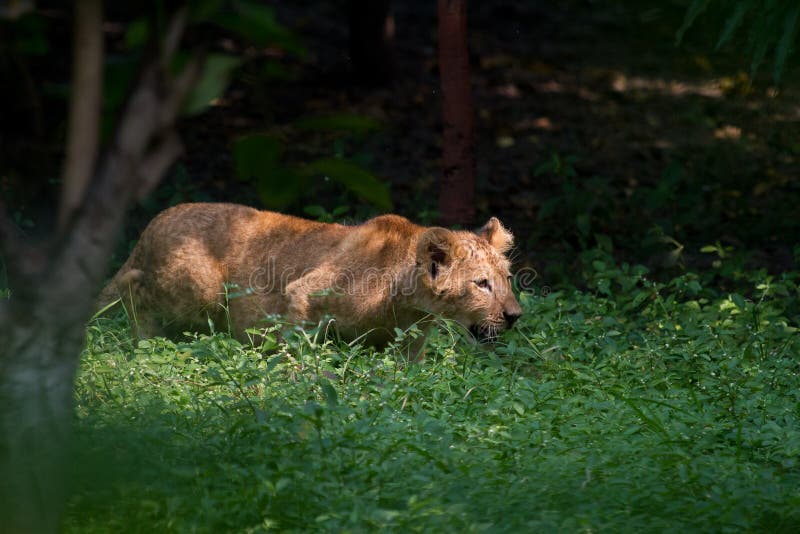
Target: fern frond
{"points": [[733, 22], [694, 11], [784, 47]]}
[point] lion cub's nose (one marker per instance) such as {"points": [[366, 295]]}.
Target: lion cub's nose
{"points": [[511, 318]]}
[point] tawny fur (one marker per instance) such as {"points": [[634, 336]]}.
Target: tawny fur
{"points": [[371, 278]]}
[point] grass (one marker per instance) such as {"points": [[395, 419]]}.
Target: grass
{"points": [[627, 406]]}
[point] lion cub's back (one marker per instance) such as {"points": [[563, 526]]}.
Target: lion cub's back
{"points": [[183, 254], [218, 229], [207, 244], [199, 229]]}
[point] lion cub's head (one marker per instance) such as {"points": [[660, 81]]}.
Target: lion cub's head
{"points": [[465, 276]]}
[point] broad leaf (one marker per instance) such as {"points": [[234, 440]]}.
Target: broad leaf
{"points": [[255, 153], [355, 178], [137, 34], [279, 187], [257, 23], [213, 82]]}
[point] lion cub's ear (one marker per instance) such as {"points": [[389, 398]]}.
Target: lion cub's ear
{"points": [[435, 249], [497, 236]]}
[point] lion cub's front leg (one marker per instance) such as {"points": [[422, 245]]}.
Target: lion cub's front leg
{"points": [[307, 296]]}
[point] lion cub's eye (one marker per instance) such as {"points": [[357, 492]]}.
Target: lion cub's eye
{"points": [[483, 283]]}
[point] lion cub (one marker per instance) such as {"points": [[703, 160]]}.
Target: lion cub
{"points": [[194, 259]]}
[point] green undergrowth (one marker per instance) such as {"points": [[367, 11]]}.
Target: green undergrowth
{"points": [[630, 406]]}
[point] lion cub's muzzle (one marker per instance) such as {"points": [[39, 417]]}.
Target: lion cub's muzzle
{"points": [[482, 334], [511, 318], [488, 332], [511, 311]]}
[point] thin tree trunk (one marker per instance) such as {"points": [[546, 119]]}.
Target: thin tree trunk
{"points": [[35, 420], [53, 290], [457, 188], [39, 351]]}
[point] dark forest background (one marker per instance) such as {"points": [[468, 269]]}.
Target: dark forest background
{"points": [[592, 126]]}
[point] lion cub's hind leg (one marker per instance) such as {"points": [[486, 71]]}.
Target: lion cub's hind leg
{"points": [[170, 302], [129, 287]]}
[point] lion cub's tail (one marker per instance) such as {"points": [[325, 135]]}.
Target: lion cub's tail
{"points": [[119, 288]]}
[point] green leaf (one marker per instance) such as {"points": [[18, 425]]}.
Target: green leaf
{"points": [[275, 71], [583, 223], [213, 82], [329, 392], [604, 243], [758, 56], [30, 35], [785, 44], [315, 211], [355, 178], [257, 23], [256, 154], [355, 124], [650, 421], [604, 286], [204, 10], [257, 160], [738, 300], [279, 187], [733, 23], [697, 7], [137, 33]]}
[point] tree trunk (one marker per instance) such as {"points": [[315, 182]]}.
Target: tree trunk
{"points": [[371, 35], [35, 421], [53, 290], [457, 188]]}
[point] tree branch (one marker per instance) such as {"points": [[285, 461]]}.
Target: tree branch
{"points": [[85, 104], [157, 162], [142, 149]]}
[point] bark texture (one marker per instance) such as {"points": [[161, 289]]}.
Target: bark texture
{"points": [[457, 189], [53, 290]]}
